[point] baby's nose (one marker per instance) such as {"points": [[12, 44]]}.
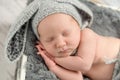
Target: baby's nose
{"points": [[61, 43]]}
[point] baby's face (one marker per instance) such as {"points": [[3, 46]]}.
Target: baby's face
{"points": [[59, 34]]}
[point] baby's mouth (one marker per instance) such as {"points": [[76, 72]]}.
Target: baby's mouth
{"points": [[65, 51]]}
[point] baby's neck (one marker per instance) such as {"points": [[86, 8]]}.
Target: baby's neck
{"points": [[74, 52]]}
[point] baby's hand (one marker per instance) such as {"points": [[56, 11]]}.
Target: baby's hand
{"points": [[61, 72], [47, 58]]}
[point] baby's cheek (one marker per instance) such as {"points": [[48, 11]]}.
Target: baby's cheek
{"points": [[51, 52]]}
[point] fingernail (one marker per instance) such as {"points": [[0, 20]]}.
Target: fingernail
{"points": [[38, 53]]}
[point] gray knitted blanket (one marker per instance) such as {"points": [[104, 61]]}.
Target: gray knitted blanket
{"points": [[106, 22]]}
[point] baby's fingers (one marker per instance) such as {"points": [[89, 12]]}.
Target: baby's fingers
{"points": [[50, 63], [38, 47], [44, 56]]}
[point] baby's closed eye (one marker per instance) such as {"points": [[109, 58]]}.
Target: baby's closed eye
{"points": [[50, 39], [66, 33]]}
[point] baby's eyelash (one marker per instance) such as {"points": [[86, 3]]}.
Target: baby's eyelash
{"points": [[65, 33], [50, 39]]}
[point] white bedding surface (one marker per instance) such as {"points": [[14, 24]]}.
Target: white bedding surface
{"points": [[114, 4], [9, 9]]}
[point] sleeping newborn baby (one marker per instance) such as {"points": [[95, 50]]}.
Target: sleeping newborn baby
{"points": [[60, 37], [69, 48], [64, 41]]}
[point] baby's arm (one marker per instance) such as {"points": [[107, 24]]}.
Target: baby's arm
{"points": [[85, 55], [61, 72]]}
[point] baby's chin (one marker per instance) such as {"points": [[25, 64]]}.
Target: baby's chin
{"points": [[63, 55]]}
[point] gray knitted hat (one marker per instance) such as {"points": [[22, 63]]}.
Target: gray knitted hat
{"points": [[80, 12], [26, 24]]}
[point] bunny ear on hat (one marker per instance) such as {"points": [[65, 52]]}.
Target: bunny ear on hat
{"points": [[16, 38]]}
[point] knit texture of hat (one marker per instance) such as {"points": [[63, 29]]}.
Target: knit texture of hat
{"points": [[80, 12]]}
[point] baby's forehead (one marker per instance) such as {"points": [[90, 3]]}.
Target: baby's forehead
{"points": [[59, 22], [56, 16]]}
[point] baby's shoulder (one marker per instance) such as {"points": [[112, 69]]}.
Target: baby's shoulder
{"points": [[88, 33]]}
